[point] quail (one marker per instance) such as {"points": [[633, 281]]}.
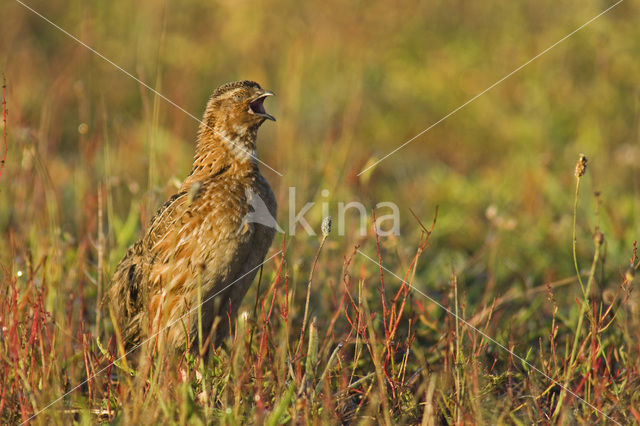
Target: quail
{"points": [[199, 245]]}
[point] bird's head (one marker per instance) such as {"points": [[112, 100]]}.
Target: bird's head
{"points": [[236, 110]]}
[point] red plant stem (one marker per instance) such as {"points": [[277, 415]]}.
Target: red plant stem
{"points": [[275, 285], [4, 391], [258, 394], [263, 338], [5, 113], [109, 384], [285, 310], [384, 302], [334, 318], [85, 349], [386, 317]]}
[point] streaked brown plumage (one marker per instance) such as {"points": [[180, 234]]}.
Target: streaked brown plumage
{"points": [[198, 237]]}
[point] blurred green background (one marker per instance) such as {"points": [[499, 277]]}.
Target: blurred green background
{"points": [[354, 80], [92, 154]]}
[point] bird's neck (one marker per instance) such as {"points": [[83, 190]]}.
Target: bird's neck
{"points": [[224, 149]]}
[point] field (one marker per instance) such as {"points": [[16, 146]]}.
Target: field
{"points": [[507, 296]]}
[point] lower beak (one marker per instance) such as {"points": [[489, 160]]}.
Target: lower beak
{"points": [[256, 106]]}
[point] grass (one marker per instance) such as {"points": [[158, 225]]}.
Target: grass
{"points": [[515, 244]]}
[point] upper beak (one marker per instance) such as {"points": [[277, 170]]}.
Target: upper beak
{"points": [[256, 105]]}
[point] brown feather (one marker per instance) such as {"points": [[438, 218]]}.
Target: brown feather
{"points": [[197, 237]]}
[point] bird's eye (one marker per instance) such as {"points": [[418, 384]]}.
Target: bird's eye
{"points": [[237, 97]]}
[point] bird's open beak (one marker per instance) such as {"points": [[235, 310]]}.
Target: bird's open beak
{"points": [[256, 106]]}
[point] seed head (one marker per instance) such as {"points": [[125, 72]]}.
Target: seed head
{"points": [[598, 238], [326, 226], [608, 296], [629, 274], [581, 166]]}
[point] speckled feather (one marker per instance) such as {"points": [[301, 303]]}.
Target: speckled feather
{"points": [[198, 238]]}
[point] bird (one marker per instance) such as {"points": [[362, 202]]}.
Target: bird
{"points": [[199, 246]]}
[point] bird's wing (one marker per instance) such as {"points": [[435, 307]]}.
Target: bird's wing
{"points": [[195, 242], [129, 290], [126, 293], [195, 239]]}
